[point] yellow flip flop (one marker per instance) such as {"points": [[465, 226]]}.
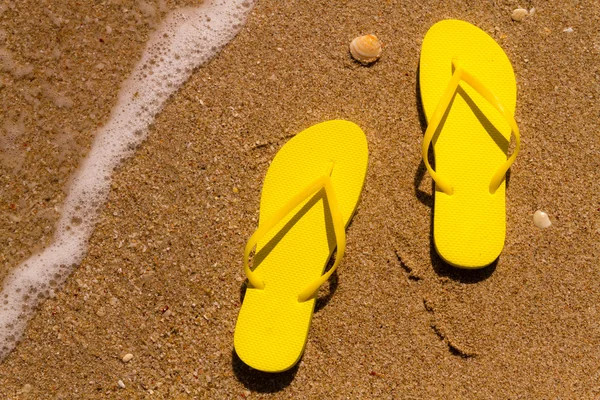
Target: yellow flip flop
{"points": [[468, 91], [309, 195]]}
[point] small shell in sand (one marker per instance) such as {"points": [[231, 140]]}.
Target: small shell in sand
{"points": [[541, 220], [365, 49], [519, 14]]}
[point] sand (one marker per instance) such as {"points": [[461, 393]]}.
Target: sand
{"points": [[163, 280]]}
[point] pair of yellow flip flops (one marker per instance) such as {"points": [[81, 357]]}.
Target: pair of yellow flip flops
{"points": [[313, 185]]}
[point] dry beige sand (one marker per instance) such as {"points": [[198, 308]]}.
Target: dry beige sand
{"points": [[163, 280]]}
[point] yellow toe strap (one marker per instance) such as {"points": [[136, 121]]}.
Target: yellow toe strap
{"points": [[461, 74], [338, 226]]}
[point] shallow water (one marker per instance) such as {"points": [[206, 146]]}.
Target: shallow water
{"points": [[186, 39]]}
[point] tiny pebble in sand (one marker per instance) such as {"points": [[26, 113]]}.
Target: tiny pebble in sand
{"points": [[121, 384], [26, 388], [519, 14], [127, 357]]}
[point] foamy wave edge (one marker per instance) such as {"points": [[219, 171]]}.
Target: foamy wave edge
{"points": [[185, 40]]}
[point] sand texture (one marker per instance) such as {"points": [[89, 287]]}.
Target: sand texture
{"points": [[163, 276]]}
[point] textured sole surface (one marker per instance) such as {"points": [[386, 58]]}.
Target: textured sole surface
{"points": [[471, 142], [272, 327]]}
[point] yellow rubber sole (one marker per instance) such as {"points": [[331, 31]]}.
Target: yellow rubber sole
{"points": [[272, 326], [471, 143]]}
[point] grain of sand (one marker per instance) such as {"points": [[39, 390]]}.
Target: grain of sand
{"points": [[162, 279]]}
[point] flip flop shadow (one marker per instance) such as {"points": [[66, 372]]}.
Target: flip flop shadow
{"points": [[262, 382]]}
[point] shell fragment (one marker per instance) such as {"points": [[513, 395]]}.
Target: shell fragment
{"points": [[541, 220], [365, 49]]}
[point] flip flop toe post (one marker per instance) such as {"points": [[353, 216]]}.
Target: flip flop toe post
{"points": [[310, 192]]}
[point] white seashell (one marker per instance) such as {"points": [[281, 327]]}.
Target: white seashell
{"points": [[365, 49], [541, 220], [519, 14]]}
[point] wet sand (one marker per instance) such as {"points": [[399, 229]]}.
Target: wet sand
{"points": [[163, 279]]}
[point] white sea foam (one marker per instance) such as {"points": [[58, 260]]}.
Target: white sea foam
{"points": [[185, 40]]}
